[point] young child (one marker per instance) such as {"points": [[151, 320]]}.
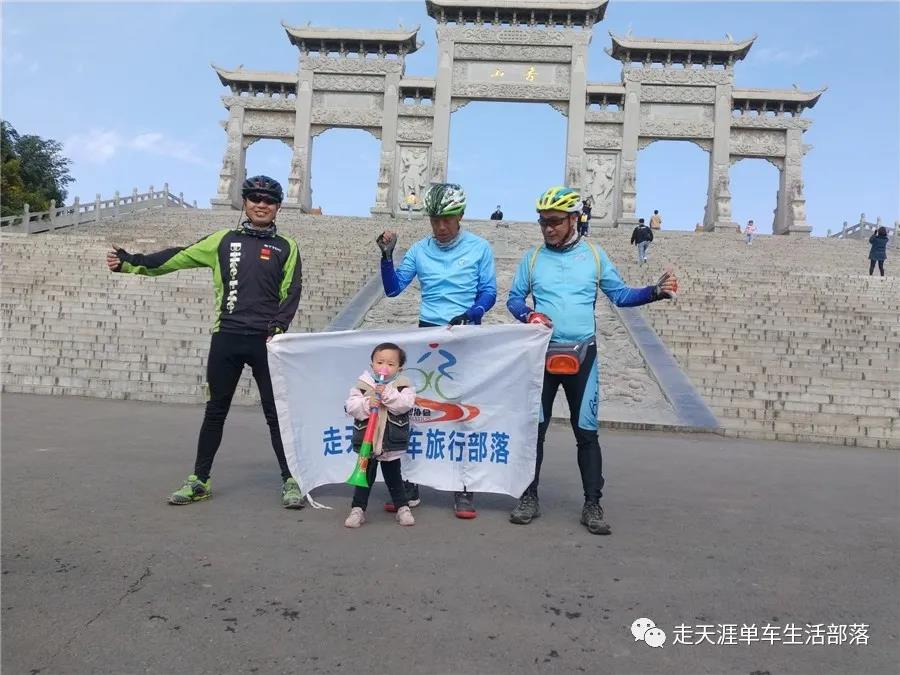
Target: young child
{"points": [[392, 433]]}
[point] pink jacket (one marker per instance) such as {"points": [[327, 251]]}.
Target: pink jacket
{"points": [[396, 402]]}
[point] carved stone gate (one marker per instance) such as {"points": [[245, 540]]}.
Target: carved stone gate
{"points": [[523, 50]]}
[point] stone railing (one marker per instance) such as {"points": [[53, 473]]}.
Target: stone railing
{"points": [[864, 230], [58, 217]]}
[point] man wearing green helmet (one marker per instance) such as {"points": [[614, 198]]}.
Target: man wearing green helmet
{"points": [[457, 278], [562, 275]]}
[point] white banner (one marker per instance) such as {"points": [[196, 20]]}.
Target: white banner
{"points": [[478, 398]]}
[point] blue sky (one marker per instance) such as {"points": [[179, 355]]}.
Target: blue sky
{"points": [[128, 88]]}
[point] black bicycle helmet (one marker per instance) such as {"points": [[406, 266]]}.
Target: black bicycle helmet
{"points": [[262, 185]]}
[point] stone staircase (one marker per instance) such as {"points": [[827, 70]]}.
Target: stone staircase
{"points": [[786, 339]]}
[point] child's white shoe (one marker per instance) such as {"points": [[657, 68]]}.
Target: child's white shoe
{"points": [[356, 518], [404, 516]]}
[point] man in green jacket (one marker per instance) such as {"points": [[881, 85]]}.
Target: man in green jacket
{"points": [[257, 277]]}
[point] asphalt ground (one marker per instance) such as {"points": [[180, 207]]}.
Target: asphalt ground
{"points": [[100, 575]]}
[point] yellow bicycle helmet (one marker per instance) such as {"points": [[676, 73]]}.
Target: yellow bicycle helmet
{"points": [[560, 198]]}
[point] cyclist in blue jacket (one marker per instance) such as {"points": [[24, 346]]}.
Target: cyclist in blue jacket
{"points": [[456, 274], [562, 275]]}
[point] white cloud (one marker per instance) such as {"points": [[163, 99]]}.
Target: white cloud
{"points": [[776, 55], [96, 147], [100, 145]]}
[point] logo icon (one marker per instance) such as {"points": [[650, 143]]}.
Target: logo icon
{"points": [[646, 630], [437, 390]]}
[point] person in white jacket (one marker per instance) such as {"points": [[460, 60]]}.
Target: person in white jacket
{"points": [[395, 396]]}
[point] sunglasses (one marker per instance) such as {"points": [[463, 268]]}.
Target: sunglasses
{"points": [[261, 199], [552, 222]]}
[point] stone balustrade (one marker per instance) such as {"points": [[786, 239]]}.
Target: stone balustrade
{"points": [[60, 217]]}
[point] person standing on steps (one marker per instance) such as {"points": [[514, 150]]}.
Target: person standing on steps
{"points": [[257, 276], [878, 250], [642, 236], [750, 230]]}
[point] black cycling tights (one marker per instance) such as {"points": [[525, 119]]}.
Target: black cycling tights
{"points": [[228, 353]]}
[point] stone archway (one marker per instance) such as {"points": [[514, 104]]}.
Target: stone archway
{"points": [[492, 50]]}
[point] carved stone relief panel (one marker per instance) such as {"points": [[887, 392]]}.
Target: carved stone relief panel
{"points": [[322, 64], [500, 72], [574, 171], [530, 53], [269, 124], [413, 173], [511, 36], [416, 110], [749, 122], [694, 76], [332, 82], [385, 174], [600, 183], [231, 159], [337, 117], [438, 166], [260, 103], [603, 136], [605, 116], [756, 142], [296, 178], [677, 94], [517, 92], [676, 121], [350, 100], [415, 129]]}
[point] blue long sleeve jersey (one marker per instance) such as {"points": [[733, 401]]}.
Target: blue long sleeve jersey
{"points": [[455, 280], [564, 287]]}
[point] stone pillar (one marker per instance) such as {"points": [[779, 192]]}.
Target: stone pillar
{"points": [[299, 192], [627, 182], [718, 196], [575, 130], [790, 212], [385, 196], [231, 176], [443, 85]]}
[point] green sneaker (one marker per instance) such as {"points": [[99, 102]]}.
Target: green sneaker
{"points": [[193, 490], [291, 497]]}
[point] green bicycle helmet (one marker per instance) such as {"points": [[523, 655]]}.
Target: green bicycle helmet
{"points": [[445, 199], [560, 198]]}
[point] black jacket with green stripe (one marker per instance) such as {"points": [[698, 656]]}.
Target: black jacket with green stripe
{"points": [[257, 279]]}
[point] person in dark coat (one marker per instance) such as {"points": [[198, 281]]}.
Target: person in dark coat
{"points": [[878, 251], [641, 237]]}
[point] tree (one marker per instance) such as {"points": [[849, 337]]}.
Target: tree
{"points": [[33, 172]]}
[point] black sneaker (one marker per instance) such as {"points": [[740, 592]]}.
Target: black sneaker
{"points": [[464, 505], [592, 518], [412, 495], [528, 508]]}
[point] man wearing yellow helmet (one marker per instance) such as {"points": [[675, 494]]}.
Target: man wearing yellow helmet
{"points": [[562, 275]]}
